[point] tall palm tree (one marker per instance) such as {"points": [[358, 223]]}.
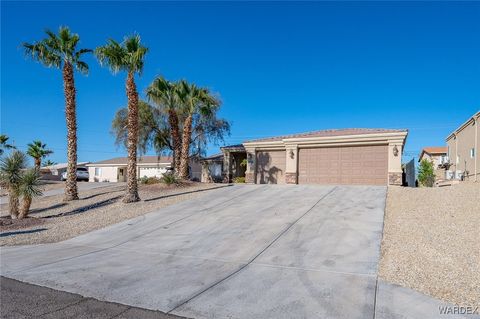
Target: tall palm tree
{"points": [[195, 101], [10, 178], [60, 51], [38, 151], [4, 144], [127, 56], [165, 95]]}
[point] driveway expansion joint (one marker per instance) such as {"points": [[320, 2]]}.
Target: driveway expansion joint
{"points": [[256, 256]]}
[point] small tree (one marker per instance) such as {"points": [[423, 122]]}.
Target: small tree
{"points": [[426, 174], [38, 151], [11, 168], [29, 188]]}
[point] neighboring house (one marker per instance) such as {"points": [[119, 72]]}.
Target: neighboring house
{"points": [[54, 172], [115, 169], [344, 156], [438, 156], [463, 144]]}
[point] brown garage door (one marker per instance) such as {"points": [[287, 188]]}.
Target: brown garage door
{"points": [[271, 167], [360, 165]]}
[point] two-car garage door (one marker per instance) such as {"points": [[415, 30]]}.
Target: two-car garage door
{"points": [[341, 165], [360, 165]]}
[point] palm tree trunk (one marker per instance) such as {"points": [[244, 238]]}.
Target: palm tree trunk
{"points": [[132, 140], [71, 191], [187, 136], [27, 202], [177, 143], [38, 164], [13, 203]]}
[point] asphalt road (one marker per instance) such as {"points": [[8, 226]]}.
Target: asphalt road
{"points": [[20, 300]]}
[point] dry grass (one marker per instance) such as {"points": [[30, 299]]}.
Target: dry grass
{"points": [[97, 208], [431, 241]]}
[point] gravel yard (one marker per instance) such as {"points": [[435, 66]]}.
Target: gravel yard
{"points": [[431, 241], [53, 220]]}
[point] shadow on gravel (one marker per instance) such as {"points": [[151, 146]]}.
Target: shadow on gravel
{"points": [[184, 193], [20, 232], [99, 194], [86, 208], [39, 210]]}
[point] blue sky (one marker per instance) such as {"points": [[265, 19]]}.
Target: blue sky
{"points": [[279, 67]]}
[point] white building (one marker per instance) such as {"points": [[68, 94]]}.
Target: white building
{"points": [[115, 169]]}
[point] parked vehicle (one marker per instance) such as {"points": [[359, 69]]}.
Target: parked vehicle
{"points": [[82, 174]]}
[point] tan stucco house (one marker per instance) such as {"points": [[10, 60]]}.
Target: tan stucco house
{"points": [[462, 145], [115, 169], [438, 156], [343, 156]]}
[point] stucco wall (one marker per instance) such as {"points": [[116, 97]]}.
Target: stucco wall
{"points": [[107, 174], [460, 145]]}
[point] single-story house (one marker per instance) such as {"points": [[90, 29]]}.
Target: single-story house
{"points": [[438, 156], [342, 156], [115, 169], [462, 146], [54, 172]]}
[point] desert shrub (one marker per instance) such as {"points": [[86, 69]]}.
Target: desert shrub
{"points": [[426, 174], [149, 180], [169, 179], [239, 180]]}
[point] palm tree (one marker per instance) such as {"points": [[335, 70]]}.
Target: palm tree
{"points": [[4, 144], [59, 51], [195, 101], [10, 178], [38, 151], [165, 94], [127, 56], [29, 188], [49, 163]]}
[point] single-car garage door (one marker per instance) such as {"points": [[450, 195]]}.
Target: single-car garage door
{"points": [[271, 167], [360, 165]]}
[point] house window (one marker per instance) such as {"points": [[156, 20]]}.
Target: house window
{"points": [[98, 171], [472, 152]]}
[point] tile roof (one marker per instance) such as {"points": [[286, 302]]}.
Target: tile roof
{"points": [[325, 133], [140, 160], [435, 149]]}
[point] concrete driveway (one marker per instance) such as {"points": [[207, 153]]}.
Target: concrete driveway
{"points": [[254, 251]]}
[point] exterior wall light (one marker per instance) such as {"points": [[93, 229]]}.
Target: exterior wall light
{"points": [[292, 154], [395, 151]]}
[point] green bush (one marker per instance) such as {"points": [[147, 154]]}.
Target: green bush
{"points": [[426, 174], [239, 180], [169, 179]]}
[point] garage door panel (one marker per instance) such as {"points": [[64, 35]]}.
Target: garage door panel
{"points": [[357, 165], [271, 167]]}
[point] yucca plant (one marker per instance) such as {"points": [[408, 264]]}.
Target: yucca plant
{"points": [[30, 187], [60, 51], [127, 56], [11, 174]]}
